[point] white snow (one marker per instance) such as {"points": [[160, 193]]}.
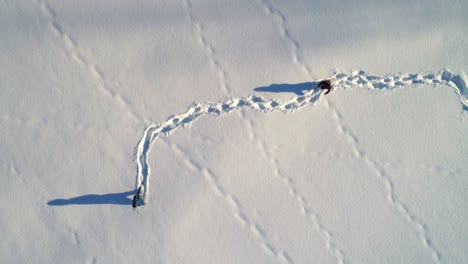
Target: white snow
{"points": [[213, 106]]}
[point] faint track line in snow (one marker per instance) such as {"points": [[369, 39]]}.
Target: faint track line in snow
{"points": [[389, 82], [74, 237], [209, 49], [92, 260], [211, 54], [284, 31], [238, 213], [304, 206], [222, 75], [297, 58], [73, 50], [306, 209], [392, 197], [441, 170]]}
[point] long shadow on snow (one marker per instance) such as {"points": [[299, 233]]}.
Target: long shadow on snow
{"points": [[297, 88], [109, 198]]}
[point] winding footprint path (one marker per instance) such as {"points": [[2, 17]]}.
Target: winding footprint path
{"points": [[341, 80], [310, 98]]}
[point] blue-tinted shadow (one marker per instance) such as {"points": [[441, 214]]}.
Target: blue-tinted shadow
{"points": [[297, 88], [109, 198]]}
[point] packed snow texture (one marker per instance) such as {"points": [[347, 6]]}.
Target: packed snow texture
{"points": [[213, 107]]}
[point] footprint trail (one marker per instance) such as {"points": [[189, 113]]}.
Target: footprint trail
{"points": [[362, 79], [392, 198], [74, 52], [215, 63], [198, 29], [258, 103], [154, 131], [238, 211], [296, 51], [305, 208]]}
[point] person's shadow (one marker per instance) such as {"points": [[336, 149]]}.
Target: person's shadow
{"points": [[109, 198], [297, 88]]}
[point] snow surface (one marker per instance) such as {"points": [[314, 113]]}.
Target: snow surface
{"points": [[213, 106]]}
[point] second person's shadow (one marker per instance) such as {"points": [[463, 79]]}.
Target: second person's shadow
{"points": [[297, 88]]}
